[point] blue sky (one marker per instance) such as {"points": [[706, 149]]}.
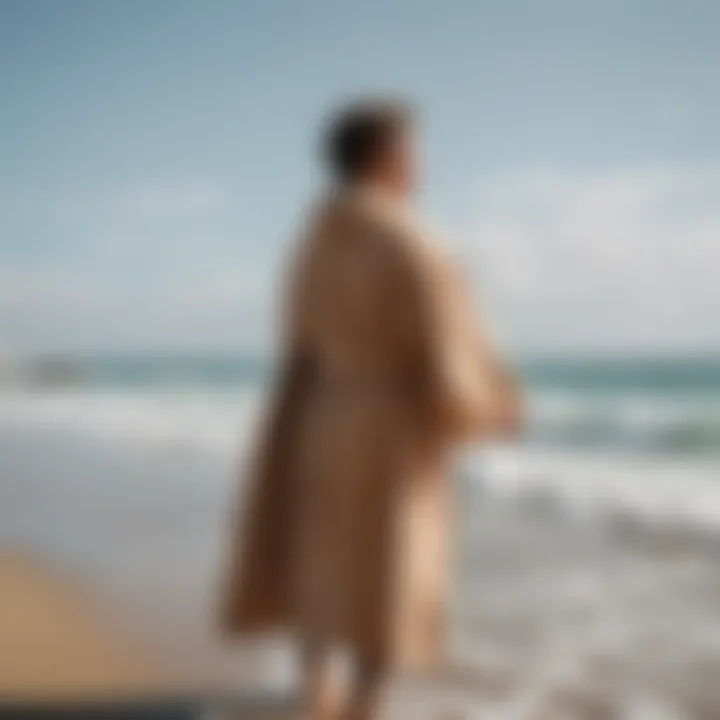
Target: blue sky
{"points": [[156, 155]]}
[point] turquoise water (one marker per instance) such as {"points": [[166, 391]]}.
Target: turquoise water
{"points": [[648, 375], [669, 405]]}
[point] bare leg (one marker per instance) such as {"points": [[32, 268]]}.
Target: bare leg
{"points": [[321, 696], [364, 701]]}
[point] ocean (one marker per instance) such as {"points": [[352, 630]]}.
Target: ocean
{"points": [[586, 573]]}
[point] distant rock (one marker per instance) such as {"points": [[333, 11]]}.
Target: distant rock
{"points": [[54, 371]]}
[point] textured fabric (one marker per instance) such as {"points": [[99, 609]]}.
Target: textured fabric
{"points": [[343, 535]]}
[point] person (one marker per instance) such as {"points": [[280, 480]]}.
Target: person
{"points": [[384, 370]]}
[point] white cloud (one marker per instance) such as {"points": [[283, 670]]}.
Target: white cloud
{"points": [[616, 260], [179, 198], [54, 310], [145, 265], [148, 200]]}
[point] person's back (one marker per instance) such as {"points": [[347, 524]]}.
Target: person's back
{"points": [[359, 432], [351, 298]]}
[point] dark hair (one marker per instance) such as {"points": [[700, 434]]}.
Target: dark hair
{"points": [[357, 135]]}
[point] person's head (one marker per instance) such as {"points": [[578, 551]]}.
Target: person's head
{"points": [[371, 142]]}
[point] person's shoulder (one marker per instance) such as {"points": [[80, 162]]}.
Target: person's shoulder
{"points": [[382, 224], [397, 225], [416, 240]]}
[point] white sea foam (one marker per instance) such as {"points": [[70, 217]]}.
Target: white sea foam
{"points": [[589, 479], [200, 418], [686, 423]]}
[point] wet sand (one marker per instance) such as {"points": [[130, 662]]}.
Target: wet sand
{"points": [[58, 643]]}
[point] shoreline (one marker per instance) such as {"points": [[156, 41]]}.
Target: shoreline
{"points": [[61, 644], [67, 653]]}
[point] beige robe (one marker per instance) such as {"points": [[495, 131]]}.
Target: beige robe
{"points": [[343, 536]]}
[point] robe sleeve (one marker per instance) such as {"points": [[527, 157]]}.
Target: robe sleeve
{"points": [[504, 416], [467, 391]]}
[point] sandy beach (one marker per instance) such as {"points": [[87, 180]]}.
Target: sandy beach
{"points": [[63, 648], [58, 643]]}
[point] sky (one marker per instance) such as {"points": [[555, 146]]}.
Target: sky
{"points": [[156, 157]]}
